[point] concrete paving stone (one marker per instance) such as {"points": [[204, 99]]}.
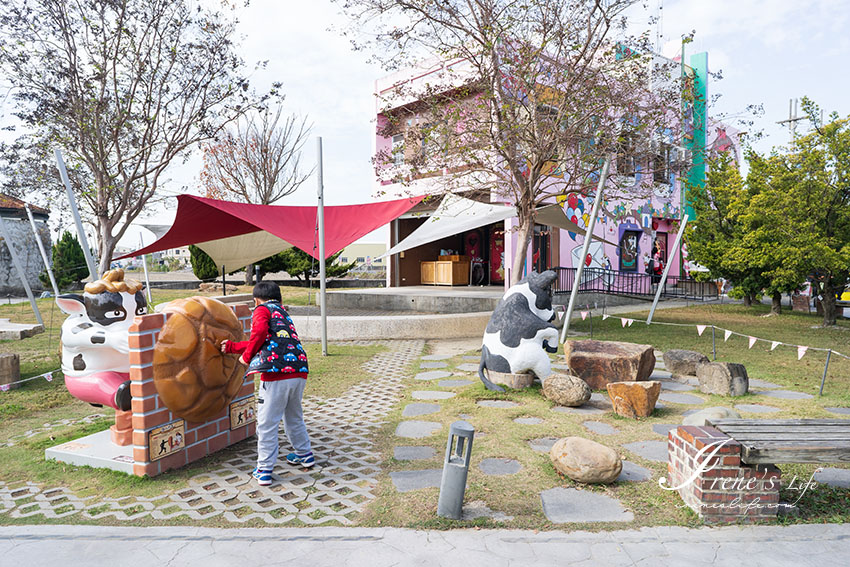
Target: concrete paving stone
{"points": [[499, 467], [479, 509], [676, 386], [756, 408], [650, 450], [454, 383], [833, 477], [662, 375], [465, 416], [542, 444], [755, 382], [839, 411], [528, 420], [680, 398], [416, 409], [634, 473], [600, 427], [501, 404], [414, 453], [785, 394], [406, 481], [560, 366], [600, 400], [688, 412], [436, 357], [472, 357], [467, 367], [565, 505], [664, 428], [433, 364], [432, 375], [417, 429], [581, 410], [432, 395]]}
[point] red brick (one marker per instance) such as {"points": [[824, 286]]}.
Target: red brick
{"points": [[147, 322], [192, 425], [140, 438], [242, 311], [174, 461], [196, 451], [246, 390], [144, 405], [142, 389], [207, 431], [732, 461], [219, 442], [141, 357], [688, 432], [238, 435], [141, 341], [149, 469], [151, 420], [140, 454]]}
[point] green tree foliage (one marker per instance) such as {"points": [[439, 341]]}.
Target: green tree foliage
{"points": [[202, 265], [69, 263], [298, 263]]}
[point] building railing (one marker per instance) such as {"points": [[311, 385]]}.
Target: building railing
{"points": [[634, 284]]}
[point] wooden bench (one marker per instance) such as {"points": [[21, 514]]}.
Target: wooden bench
{"points": [[776, 441]]}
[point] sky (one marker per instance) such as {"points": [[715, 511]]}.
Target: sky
{"points": [[768, 51]]}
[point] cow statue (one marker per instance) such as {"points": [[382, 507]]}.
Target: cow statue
{"points": [[95, 337], [520, 332]]}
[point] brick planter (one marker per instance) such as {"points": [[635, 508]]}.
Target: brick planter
{"points": [[723, 489], [149, 413]]}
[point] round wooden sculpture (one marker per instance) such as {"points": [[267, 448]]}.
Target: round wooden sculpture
{"points": [[194, 379]]}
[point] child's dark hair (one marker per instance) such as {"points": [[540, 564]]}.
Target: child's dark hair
{"points": [[267, 291]]}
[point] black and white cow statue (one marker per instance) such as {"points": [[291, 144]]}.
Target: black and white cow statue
{"points": [[95, 339], [520, 332]]}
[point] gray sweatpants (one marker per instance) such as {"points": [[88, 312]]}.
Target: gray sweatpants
{"points": [[278, 400]]}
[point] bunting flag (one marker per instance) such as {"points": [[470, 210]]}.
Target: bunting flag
{"points": [[623, 321], [801, 351], [4, 387], [49, 377], [774, 344], [583, 315], [630, 321], [701, 329], [752, 341], [605, 316], [726, 335]]}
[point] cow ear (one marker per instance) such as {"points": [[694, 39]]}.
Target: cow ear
{"points": [[71, 303]]}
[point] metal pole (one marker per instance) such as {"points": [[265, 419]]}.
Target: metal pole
{"points": [[43, 253], [713, 345], [145, 265], [663, 281], [590, 316], [74, 211], [223, 283], [322, 268], [588, 236], [825, 368], [18, 266]]}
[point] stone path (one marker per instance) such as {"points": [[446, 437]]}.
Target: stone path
{"points": [[335, 490]]}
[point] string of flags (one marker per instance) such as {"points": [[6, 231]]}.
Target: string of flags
{"points": [[47, 376], [801, 349]]}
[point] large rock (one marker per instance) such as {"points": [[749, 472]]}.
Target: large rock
{"points": [[585, 461], [683, 362], [10, 370], [566, 390], [601, 362], [634, 399], [710, 414], [723, 378]]}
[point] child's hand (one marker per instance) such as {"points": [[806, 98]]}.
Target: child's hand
{"points": [[223, 346]]}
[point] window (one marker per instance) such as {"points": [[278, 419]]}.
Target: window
{"points": [[343, 260], [398, 149], [360, 259], [661, 164], [626, 160]]}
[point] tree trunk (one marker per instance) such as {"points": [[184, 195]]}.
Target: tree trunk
{"points": [[106, 247], [249, 274], [748, 300], [776, 304], [523, 238], [830, 311]]}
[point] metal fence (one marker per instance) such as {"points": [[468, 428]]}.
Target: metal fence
{"points": [[633, 284]]}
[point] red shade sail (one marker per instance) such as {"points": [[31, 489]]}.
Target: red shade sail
{"points": [[237, 234]]}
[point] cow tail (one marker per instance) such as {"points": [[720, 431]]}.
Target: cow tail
{"points": [[481, 366]]}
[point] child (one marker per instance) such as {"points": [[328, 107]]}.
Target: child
{"points": [[274, 352]]}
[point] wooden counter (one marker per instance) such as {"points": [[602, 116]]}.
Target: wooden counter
{"points": [[444, 272]]}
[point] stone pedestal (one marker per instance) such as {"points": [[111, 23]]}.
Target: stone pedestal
{"points": [[515, 381], [600, 362], [10, 369]]}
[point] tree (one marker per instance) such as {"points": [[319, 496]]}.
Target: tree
{"points": [[530, 98], [203, 266], [123, 88], [69, 263], [298, 263], [258, 162]]}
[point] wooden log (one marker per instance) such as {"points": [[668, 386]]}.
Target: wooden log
{"points": [[515, 381]]}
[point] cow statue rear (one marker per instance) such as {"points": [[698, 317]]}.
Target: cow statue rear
{"points": [[95, 339], [520, 332]]}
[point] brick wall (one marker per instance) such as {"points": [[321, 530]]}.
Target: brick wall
{"points": [[200, 439], [724, 490]]}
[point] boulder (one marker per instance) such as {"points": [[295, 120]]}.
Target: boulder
{"points": [[216, 287], [566, 390], [10, 370], [634, 399], [601, 362], [585, 461], [683, 362], [723, 378], [710, 414]]}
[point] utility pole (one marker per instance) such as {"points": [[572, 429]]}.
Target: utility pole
{"points": [[794, 117]]}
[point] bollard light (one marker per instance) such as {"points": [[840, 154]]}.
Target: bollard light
{"points": [[455, 470]]}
